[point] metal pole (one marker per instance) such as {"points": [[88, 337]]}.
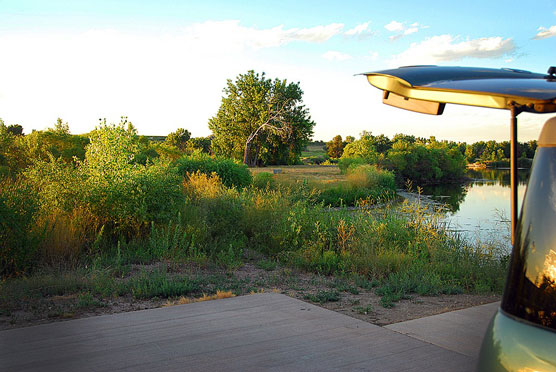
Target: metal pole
{"points": [[513, 168]]}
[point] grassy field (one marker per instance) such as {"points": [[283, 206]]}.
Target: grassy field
{"points": [[324, 174], [313, 149]]}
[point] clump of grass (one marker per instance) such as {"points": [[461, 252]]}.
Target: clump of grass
{"points": [[266, 265], [159, 284], [86, 301], [264, 180], [323, 296], [364, 283]]}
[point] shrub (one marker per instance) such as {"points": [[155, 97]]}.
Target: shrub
{"points": [[369, 176], [19, 235], [425, 164], [345, 163], [264, 180], [232, 173]]}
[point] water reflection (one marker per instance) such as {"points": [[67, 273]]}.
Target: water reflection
{"points": [[453, 195], [480, 208]]}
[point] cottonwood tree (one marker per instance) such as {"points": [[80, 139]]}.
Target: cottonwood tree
{"points": [[261, 121]]}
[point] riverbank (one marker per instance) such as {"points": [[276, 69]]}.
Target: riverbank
{"points": [[281, 234]]}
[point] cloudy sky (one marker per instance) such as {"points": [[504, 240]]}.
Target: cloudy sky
{"points": [[164, 63]]}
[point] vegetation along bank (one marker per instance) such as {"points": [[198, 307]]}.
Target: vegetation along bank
{"points": [[91, 219]]}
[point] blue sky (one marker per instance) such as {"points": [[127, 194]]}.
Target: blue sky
{"points": [[164, 63]]}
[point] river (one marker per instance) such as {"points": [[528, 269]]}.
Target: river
{"points": [[480, 209]]}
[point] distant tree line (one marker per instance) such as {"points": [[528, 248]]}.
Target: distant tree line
{"points": [[423, 160], [478, 152]]}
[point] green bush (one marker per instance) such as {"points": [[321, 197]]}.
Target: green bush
{"points": [[264, 180], [120, 194], [364, 183], [130, 203], [426, 164], [369, 176], [232, 173], [346, 163], [19, 235]]}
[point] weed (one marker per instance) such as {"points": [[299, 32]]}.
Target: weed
{"points": [[323, 296], [158, 284], [86, 301], [364, 283], [266, 265], [364, 310]]}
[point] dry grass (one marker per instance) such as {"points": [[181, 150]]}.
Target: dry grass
{"points": [[185, 300], [198, 185], [293, 173], [67, 234]]}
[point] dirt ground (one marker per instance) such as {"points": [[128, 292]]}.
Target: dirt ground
{"points": [[351, 300], [366, 304]]}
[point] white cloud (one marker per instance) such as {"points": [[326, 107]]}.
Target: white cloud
{"points": [[361, 31], [332, 55], [373, 56], [394, 26], [544, 33], [401, 30], [233, 33], [448, 48], [357, 30]]}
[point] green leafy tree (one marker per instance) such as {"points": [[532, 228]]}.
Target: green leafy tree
{"points": [[12, 155], [422, 163], [201, 144], [179, 138], [261, 120], [362, 148], [60, 127], [15, 129], [335, 148], [111, 150]]}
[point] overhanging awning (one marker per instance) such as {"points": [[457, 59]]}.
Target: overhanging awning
{"points": [[484, 87], [427, 89]]}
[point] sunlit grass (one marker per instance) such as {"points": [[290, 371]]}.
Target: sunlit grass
{"points": [[186, 300]]}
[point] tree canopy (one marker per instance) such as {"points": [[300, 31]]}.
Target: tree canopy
{"points": [[261, 121], [179, 138]]}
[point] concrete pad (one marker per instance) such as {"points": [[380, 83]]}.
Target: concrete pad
{"points": [[249, 333], [461, 331]]}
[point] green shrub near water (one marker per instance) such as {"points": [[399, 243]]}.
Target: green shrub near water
{"points": [[364, 183]]}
